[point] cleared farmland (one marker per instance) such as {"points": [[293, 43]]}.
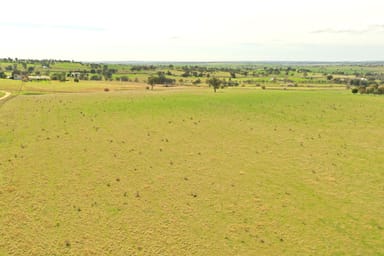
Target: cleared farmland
{"points": [[241, 172]]}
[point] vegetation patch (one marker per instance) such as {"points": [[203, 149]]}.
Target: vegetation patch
{"points": [[31, 93]]}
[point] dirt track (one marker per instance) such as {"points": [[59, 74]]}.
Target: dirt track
{"points": [[7, 94]]}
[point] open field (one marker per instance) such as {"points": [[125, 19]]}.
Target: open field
{"points": [[191, 172]]}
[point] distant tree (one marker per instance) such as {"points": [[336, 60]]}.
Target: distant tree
{"points": [[329, 77], [96, 77], [380, 89], [151, 81], [214, 83], [124, 78], [31, 69], [160, 79], [2, 74], [232, 74], [24, 65], [59, 76], [197, 81]]}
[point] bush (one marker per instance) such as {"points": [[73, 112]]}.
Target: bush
{"points": [[355, 90], [124, 78], [362, 89], [263, 87], [380, 89], [96, 78], [370, 89]]}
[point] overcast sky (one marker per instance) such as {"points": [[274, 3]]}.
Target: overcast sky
{"points": [[199, 30]]}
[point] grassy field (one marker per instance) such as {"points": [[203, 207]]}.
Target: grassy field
{"points": [[191, 172]]}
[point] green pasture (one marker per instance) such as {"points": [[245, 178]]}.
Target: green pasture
{"points": [[191, 172]]}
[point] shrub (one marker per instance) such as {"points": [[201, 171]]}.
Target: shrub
{"points": [[263, 87], [380, 89], [370, 89], [362, 89], [124, 78], [355, 90], [96, 78]]}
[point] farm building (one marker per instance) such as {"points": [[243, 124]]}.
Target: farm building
{"points": [[38, 78], [18, 77]]}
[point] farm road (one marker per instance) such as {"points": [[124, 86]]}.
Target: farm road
{"points": [[7, 94]]}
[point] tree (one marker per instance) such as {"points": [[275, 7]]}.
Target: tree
{"points": [[197, 81], [24, 65], [151, 81], [124, 78], [95, 78], [31, 69], [215, 83], [159, 79]]}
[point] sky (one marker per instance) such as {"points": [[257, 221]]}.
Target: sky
{"points": [[199, 30]]}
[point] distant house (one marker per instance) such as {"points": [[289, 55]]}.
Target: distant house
{"points": [[75, 74], [18, 77]]}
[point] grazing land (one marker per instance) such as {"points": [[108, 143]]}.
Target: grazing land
{"points": [[187, 171]]}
